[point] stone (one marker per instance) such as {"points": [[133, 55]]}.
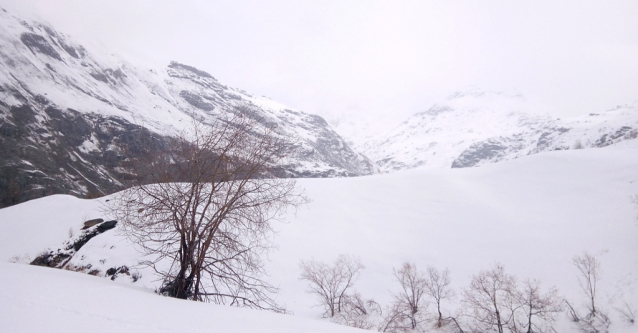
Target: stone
{"points": [[92, 222], [108, 225]]}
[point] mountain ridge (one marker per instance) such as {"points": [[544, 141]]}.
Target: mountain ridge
{"points": [[67, 114], [474, 127]]}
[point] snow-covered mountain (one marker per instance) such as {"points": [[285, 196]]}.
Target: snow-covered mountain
{"points": [[474, 127], [66, 114]]}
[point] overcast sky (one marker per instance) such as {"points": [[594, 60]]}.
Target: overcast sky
{"points": [[379, 60]]}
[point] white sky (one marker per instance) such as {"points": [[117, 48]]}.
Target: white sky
{"points": [[377, 61]]}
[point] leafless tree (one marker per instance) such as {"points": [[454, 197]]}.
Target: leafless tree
{"points": [[594, 320], [437, 286], [204, 217], [538, 311], [331, 282], [408, 310], [395, 320], [489, 299], [589, 268], [357, 312]]}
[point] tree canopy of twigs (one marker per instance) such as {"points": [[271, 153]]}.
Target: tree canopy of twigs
{"points": [[594, 319], [488, 298], [537, 310], [203, 209], [331, 282], [438, 288], [408, 310]]}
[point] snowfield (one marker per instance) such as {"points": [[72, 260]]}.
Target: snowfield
{"points": [[531, 214], [49, 300]]}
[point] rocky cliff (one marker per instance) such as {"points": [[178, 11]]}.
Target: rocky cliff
{"points": [[68, 114]]}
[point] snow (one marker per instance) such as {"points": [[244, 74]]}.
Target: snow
{"points": [[53, 300], [532, 214], [102, 83], [439, 136]]}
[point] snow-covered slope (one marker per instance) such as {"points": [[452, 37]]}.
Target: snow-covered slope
{"points": [[67, 112], [531, 214], [37, 299], [474, 127]]}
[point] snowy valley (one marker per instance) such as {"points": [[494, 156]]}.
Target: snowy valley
{"points": [[480, 180], [532, 215]]}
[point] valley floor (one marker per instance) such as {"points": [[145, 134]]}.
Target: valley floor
{"points": [[532, 215]]}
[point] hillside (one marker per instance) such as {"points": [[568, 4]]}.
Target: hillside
{"points": [[68, 115], [474, 127], [62, 301], [532, 214]]}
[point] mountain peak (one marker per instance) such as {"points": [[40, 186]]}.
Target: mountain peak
{"points": [[476, 93], [191, 69], [473, 127]]}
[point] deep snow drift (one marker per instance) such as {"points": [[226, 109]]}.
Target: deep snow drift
{"points": [[532, 214]]}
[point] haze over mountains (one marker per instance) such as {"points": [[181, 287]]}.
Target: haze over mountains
{"points": [[479, 178], [474, 127], [68, 114]]}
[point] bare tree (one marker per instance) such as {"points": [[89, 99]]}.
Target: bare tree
{"points": [[437, 286], [489, 299], [395, 320], [589, 268], [204, 217], [594, 320], [331, 283], [408, 310], [538, 311], [357, 312]]}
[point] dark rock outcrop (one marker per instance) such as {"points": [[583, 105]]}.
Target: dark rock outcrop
{"points": [[67, 152], [60, 257]]}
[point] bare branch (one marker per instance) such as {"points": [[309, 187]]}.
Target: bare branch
{"points": [[331, 283], [205, 206]]}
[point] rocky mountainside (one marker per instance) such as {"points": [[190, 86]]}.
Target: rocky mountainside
{"points": [[475, 127], [67, 115]]}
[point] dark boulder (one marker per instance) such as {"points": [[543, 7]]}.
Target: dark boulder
{"points": [[91, 223]]}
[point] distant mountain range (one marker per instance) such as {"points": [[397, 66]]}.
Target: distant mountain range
{"points": [[66, 115], [474, 127]]}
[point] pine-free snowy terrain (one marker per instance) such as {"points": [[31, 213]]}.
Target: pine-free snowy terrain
{"points": [[473, 127], [47, 300], [532, 214]]}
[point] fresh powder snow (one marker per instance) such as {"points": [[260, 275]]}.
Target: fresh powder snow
{"points": [[532, 215]]}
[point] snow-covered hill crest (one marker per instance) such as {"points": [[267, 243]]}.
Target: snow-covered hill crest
{"points": [[66, 114], [532, 215], [474, 127]]}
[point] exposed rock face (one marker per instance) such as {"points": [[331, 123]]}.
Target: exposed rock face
{"points": [[60, 257], [65, 151], [67, 116], [476, 127]]}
